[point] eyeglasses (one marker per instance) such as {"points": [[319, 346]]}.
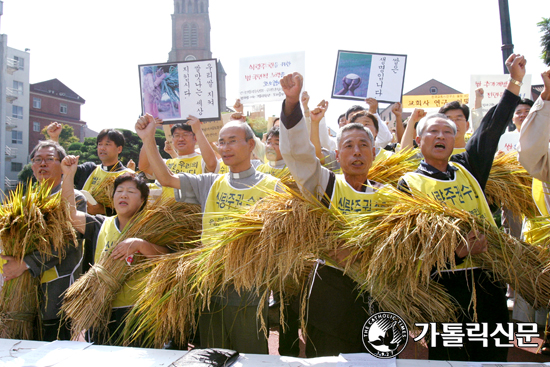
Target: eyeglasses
{"points": [[48, 160], [183, 135]]}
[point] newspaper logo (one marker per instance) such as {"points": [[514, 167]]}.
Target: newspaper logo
{"points": [[385, 335]]}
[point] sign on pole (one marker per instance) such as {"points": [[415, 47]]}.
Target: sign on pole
{"points": [[173, 91], [259, 76], [361, 75]]}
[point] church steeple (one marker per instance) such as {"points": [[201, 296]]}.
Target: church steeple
{"points": [[191, 38], [190, 31]]}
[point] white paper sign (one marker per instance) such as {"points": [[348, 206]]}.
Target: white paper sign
{"points": [[361, 75], [259, 76], [493, 88], [174, 91]]}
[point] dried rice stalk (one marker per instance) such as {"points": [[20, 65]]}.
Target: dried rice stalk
{"points": [[165, 223], [399, 247], [509, 185], [391, 169], [30, 220], [103, 193]]}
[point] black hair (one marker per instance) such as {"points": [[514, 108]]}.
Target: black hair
{"points": [[114, 135], [184, 127], [339, 117], [455, 105], [526, 101], [274, 131], [365, 113], [141, 185], [353, 109]]}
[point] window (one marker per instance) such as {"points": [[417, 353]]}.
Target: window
{"points": [[63, 108], [433, 90], [20, 62], [18, 86], [190, 58], [36, 126], [17, 112], [36, 102], [16, 137], [16, 166], [186, 36], [194, 35]]}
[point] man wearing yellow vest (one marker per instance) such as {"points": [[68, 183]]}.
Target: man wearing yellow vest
{"points": [[275, 165], [231, 321], [184, 138], [56, 275], [336, 312], [533, 154], [460, 182]]}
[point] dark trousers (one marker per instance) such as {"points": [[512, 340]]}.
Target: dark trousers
{"points": [[336, 315], [115, 328], [289, 342], [491, 308], [55, 330], [233, 327]]}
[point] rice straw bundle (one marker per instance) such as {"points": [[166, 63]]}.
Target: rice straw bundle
{"points": [[509, 185], [31, 220], [103, 193], [165, 223], [391, 169], [398, 248]]}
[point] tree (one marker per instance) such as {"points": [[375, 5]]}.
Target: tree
{"points": [[66, 138], [25, 175], [544, 26]]}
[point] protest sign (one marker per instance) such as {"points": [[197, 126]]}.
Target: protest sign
{"points": [[259, 76], [174, 91], [361, 75], [433, 100], [493, 88], [508, 141]]}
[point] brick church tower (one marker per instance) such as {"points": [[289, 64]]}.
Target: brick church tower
{"points": [[191, 38]]}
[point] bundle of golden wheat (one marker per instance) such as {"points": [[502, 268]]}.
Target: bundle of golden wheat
{"points": [[30, 220], [391, 169], [399, 247], [509, 185], [165, 223]]}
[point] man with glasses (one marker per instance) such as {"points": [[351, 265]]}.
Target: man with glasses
{"points": [[56, 274], [231, 320], [184, 138]]}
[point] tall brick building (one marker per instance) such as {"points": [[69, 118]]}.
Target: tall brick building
{"points": [[54, 101], [191, 38]]}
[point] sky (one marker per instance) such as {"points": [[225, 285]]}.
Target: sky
{"points": [[94, 47]]}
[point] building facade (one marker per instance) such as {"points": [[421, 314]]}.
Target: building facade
{"points": [[191, 38], [15, 113], [54, 101]]}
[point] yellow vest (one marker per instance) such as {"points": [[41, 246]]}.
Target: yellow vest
{"points": [[98, 175], [107, 238], [223, 198], [463, 192], [530, 229], [182, 165], [223, 168], [275, 172], [350, 201]]}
